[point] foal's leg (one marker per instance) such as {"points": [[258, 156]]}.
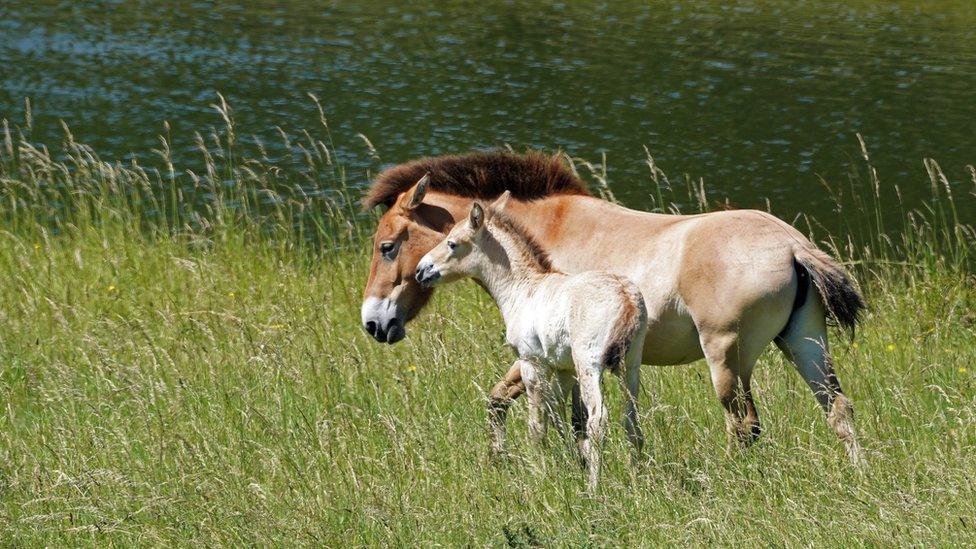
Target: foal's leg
{"points": [[563, 384], [588, 373], [499, 400], [805, 344], [579, 419], [536, 379]]}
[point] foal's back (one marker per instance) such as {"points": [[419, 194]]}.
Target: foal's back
{"points": [[606, 312], [587, 319]]}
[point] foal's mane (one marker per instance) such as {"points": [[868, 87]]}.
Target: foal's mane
{"points": [[479, 175], [523, 239]]}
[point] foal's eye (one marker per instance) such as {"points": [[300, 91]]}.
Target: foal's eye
{"points": [[388, 249], [451, 245]]}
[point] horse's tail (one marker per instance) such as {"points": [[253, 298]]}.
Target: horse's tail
{"points": [[838, 290]]}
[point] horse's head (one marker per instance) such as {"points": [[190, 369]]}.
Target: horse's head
{"points": [[406, 231], [417, 220]]}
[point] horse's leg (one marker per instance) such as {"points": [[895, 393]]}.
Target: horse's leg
{"points": [[751, 428], [630, 382], [499, 400], [805, 344], [536, 379], [588, 373], [730, 364]]}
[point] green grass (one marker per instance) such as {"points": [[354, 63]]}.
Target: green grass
{"points": [[177, 378]]}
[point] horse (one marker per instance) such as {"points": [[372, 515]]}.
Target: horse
{"points": [[557, 323], [720, 286]]}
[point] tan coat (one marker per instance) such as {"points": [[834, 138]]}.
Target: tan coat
{"points": [[720, 285]]}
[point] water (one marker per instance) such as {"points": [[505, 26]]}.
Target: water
{"points": [[760, 98]]}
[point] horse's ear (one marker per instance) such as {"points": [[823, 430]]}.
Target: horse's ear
{"points": [[499, 204], [418, 191], [477, 217]]}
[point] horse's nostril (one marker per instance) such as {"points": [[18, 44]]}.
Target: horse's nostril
{"points": [[371, 328], [395, 331]]}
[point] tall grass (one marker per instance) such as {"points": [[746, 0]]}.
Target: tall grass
{"points": [[181, 362]]}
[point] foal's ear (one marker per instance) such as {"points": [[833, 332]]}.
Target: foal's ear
{"points": [[418, 191], [499, 204], [477, 217]]}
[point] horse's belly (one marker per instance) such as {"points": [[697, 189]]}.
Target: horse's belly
{"points": [[671, 338]]}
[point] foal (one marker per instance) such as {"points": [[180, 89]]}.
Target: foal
{"points": [[554, 321]]}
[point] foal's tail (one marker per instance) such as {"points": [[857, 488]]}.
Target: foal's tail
{"points": [[632, 320], [838, 290]]}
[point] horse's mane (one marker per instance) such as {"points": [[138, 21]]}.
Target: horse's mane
{"points": [[479, 175], [521, 236]]}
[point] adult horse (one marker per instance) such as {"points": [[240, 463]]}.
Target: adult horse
{"points": [[720, 285]]}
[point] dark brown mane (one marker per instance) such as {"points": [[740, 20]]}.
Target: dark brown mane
{"points": [[479, 175], [513, 227]]}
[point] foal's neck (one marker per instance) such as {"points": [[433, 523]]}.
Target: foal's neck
{"points": [[515, 267]]}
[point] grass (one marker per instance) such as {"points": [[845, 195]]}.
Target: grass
{"points": [[181, 363]]}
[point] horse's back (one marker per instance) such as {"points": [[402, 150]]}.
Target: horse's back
{"points": [[738, 269]]}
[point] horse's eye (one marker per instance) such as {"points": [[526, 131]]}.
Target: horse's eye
{"points": [[451, 245], [388, 249]]}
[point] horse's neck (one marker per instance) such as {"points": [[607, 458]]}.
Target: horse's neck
{"points": [[583, 233], [547, 218], [576, 229]]}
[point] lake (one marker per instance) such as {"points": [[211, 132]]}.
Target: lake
{"points": [[762, 99]]}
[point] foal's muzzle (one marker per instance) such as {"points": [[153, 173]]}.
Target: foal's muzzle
{"points": [[426, 275]]}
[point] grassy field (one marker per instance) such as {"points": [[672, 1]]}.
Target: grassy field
{"points": [[181, 362]]}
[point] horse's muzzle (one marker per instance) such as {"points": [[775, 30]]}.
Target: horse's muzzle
{"points": [[391, 333]]}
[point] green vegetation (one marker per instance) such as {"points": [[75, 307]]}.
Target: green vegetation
{"points": [[181, 362]]}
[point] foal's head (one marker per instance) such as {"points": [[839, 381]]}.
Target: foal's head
{"points": [[463, 252]]}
